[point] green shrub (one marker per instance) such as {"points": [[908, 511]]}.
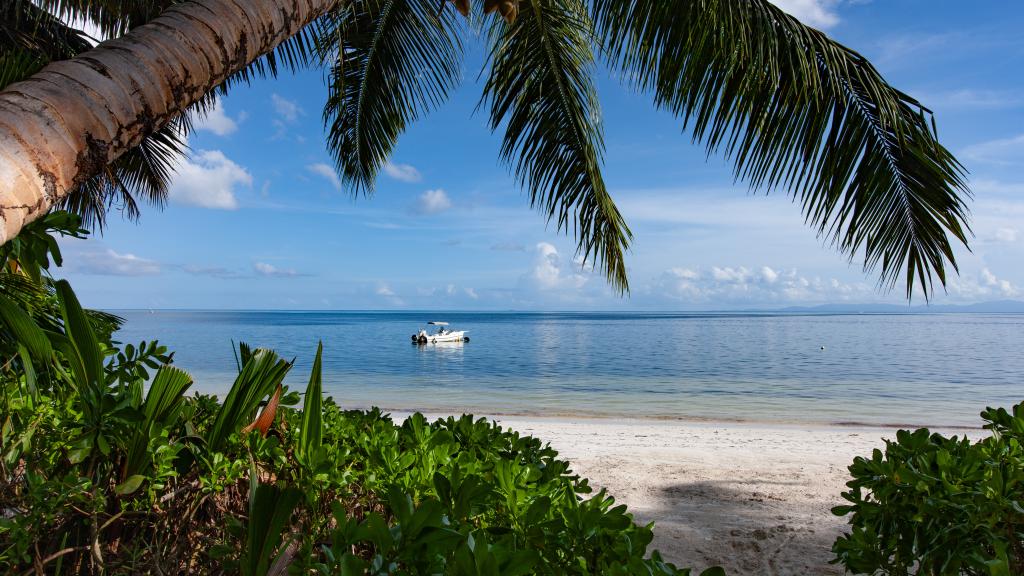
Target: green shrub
{"points": [[106, 466], [932, 505]]}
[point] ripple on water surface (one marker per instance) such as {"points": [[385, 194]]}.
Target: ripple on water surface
{"points": [[936, 369]]}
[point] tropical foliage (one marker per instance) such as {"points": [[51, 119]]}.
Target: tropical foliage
{"points": [[107, 465], [791, 108], [932, 505]]}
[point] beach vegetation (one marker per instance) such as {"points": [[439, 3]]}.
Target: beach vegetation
{"points": [[934, 505], [109, 466]]}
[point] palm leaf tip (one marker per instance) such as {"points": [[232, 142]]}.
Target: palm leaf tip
{"points": [[793, 109], [541, 91], [390, 62]]}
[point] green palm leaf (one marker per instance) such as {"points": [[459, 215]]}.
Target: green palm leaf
{"points": [[161, 408], [540, 88], [391, 61], [311, 434], [796, 110], [261, 372]]}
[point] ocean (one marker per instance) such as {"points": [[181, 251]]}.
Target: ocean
{"points": [[908, 370]]}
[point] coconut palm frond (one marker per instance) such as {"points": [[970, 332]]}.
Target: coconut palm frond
{"points": [[391, 62], [112, 18], [142, 173], [795, 110], [30, 38], [541, 91]]}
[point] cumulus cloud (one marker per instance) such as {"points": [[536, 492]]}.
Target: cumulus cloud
{"points": [[1002, 287], [216, 120], [208, 179], [327, 172], [111, 263], [264, 269], [402, 172], [983, 286], [432, 202], [817, 13], [726, 285], [548, 272], [385, 290], [288, 110]]}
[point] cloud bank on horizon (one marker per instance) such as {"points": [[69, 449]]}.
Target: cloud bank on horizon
{"points": [[259, 218]]}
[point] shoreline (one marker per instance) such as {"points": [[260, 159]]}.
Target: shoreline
{"points": [[754, 498], [655, 419]]}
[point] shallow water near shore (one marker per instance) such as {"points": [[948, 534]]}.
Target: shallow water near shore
{"points": [[915, 369]]}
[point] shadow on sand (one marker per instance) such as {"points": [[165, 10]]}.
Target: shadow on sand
{"points": [[749, 528]]}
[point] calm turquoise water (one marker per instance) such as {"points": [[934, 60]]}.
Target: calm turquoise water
{"points": [[939, 369]]}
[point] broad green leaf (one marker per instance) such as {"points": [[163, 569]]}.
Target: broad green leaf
{"points": [[130, 485], [311, 434]]}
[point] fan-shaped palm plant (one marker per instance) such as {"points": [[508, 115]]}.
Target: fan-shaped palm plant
{"points": [[790, 107]]}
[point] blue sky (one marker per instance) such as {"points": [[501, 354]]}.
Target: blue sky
{"points": [[257, 219]]}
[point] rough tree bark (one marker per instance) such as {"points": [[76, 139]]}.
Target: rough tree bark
{"points": [[71, 119]]}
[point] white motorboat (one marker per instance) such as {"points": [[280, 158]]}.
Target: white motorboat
{"points": [[443, 334]]}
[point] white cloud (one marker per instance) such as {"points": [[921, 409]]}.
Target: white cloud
{"points": [[208, 179], [548, 273], [289, 110], [984, 286], [817, 13], [111, 263], [327, 172], [264, 269], [726, 285], [1003, 287], [1003, 151], [216, 120], [402, 172], [471, 293], [433, 202], [385, 292]]}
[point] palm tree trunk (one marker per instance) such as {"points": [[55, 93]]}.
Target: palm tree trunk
{"points": [[70, 120]]}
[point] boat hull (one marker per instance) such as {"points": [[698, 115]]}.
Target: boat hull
{"points": [[449, 337]]}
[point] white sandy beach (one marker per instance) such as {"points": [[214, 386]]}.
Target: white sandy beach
{"points": [[752, 498]]}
